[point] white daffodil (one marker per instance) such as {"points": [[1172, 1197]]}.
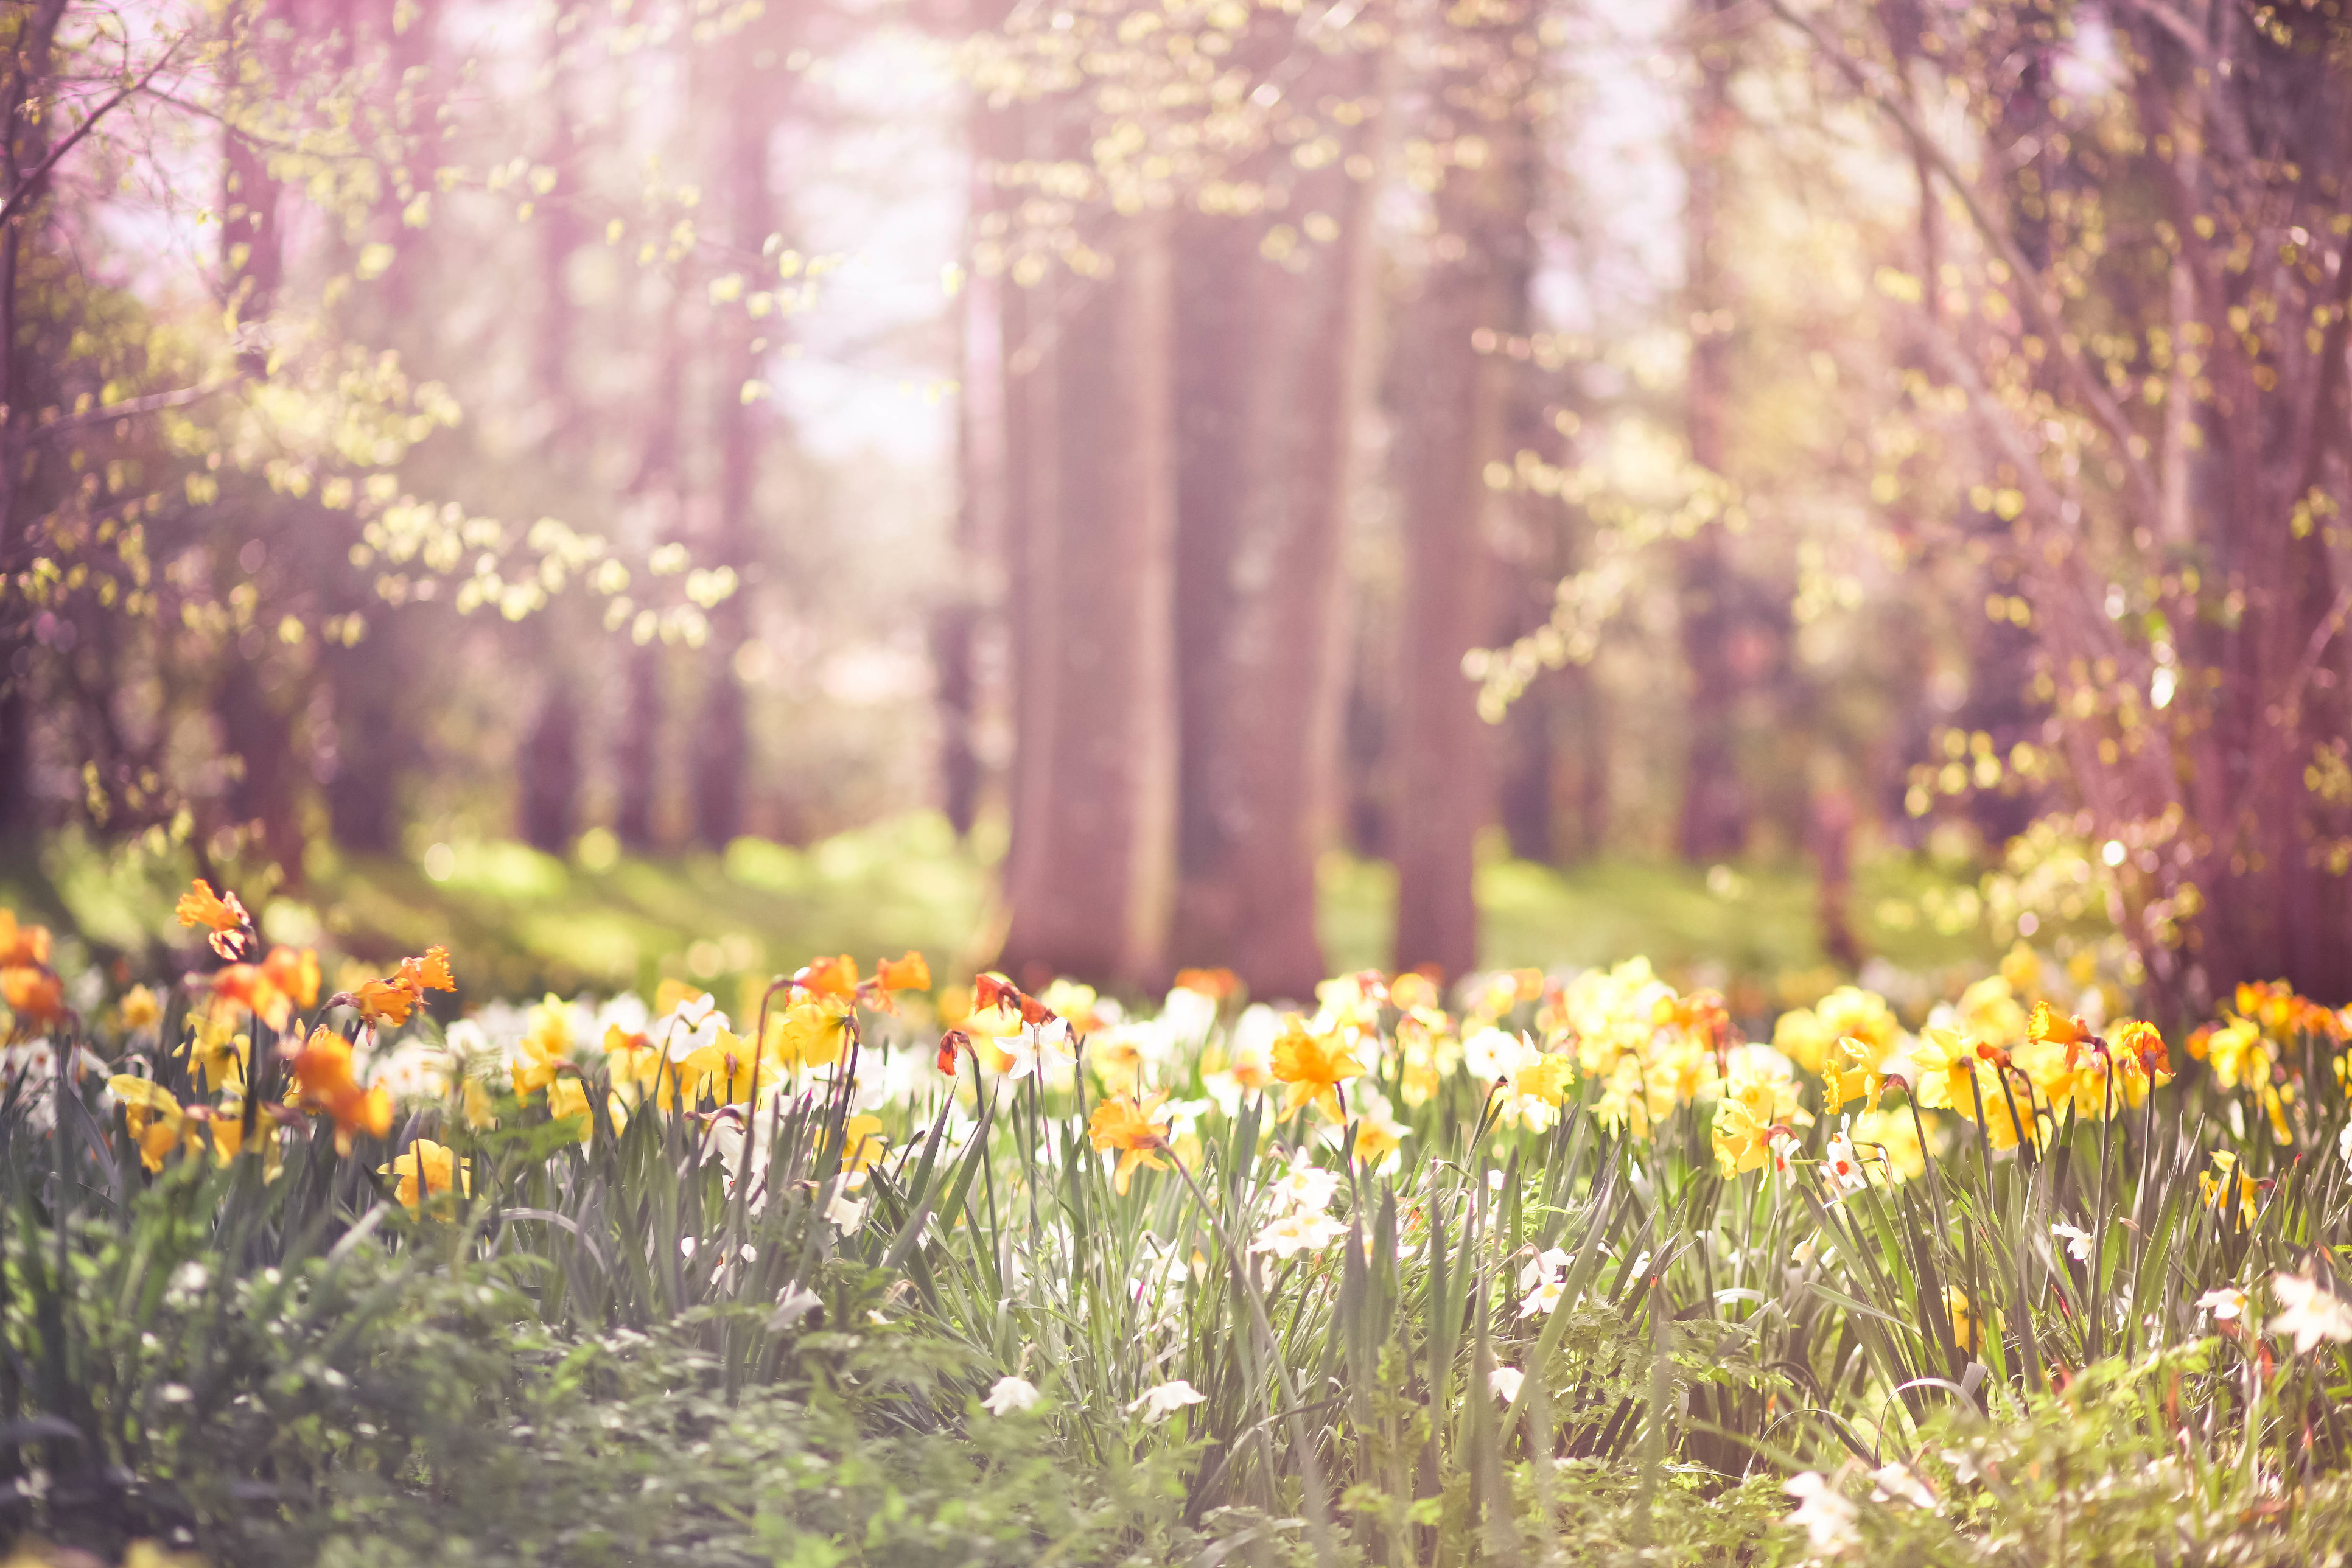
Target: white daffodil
{"points": [[1548, 1264], [1545, 1298], [2226, 1302], [2078, 1243], [1841, 1165], [844, 1216], [2311, 1312], [1826, 1516], [1010, 1394], [1306, 1187], [1490, 1054], [1158, 1404], [1301, 1231], [1043, 1050], [1898, 1482]]}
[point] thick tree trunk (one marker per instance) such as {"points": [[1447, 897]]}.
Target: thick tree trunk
{"points": [[24, 141], [1270, 383], [256, 723], [1091, 879], [1454, 403]]}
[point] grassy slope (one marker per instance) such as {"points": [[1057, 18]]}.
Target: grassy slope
{"points": [[522, 921]]}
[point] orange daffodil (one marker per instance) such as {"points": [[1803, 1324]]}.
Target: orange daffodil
{"points": [[325, 1082], [391, 1000], [35, 995], [222, 914]]}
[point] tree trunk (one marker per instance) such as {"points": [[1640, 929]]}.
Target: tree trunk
{"points": [[661, 479], [550, 766], [24, 141], [1091, 880], [253, 261], [1269, 378], [1717, 644], [1453, 402], [257, 724], [723, 741], [985, 458]]}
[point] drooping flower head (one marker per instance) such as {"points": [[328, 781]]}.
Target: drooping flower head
{"points": [[390, 1001], [222, 914]]}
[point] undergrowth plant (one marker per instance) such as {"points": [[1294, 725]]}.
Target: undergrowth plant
{"points": [[1565, 1271]]}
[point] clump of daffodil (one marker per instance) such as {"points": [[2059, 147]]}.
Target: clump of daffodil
{"points": [[1649, 1049]]}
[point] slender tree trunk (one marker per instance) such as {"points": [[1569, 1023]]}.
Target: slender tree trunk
{"points": [[1031, 344], [1092, 877], [722, 739], [985, 456], [548, 767], [253, 261], [1716, 641], [660, 479], [1454, 403]]}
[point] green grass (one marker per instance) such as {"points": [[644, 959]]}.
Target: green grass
{"points": [[530, 923]]}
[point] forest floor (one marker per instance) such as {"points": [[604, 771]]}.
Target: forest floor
{"points": [[600, 921]]}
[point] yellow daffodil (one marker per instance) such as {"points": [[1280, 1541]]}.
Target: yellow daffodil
{"points": [[1133, 1128], [2225, 1183], [544, 1049], [427, 1172], [809, 1034], [863, 1142], [1968, 1322], [324, 1080], [1312, 1065], [731, 1070], [156, 1122]]}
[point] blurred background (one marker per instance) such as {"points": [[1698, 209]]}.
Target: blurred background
{"points": [[657, 489]]}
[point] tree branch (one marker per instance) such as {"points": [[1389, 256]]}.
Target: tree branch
{"points": [[26, 188], [153, 402], [2044, 319]]}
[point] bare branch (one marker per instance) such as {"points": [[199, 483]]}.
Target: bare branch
{"points": [[153, 402], [31, 183]]}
